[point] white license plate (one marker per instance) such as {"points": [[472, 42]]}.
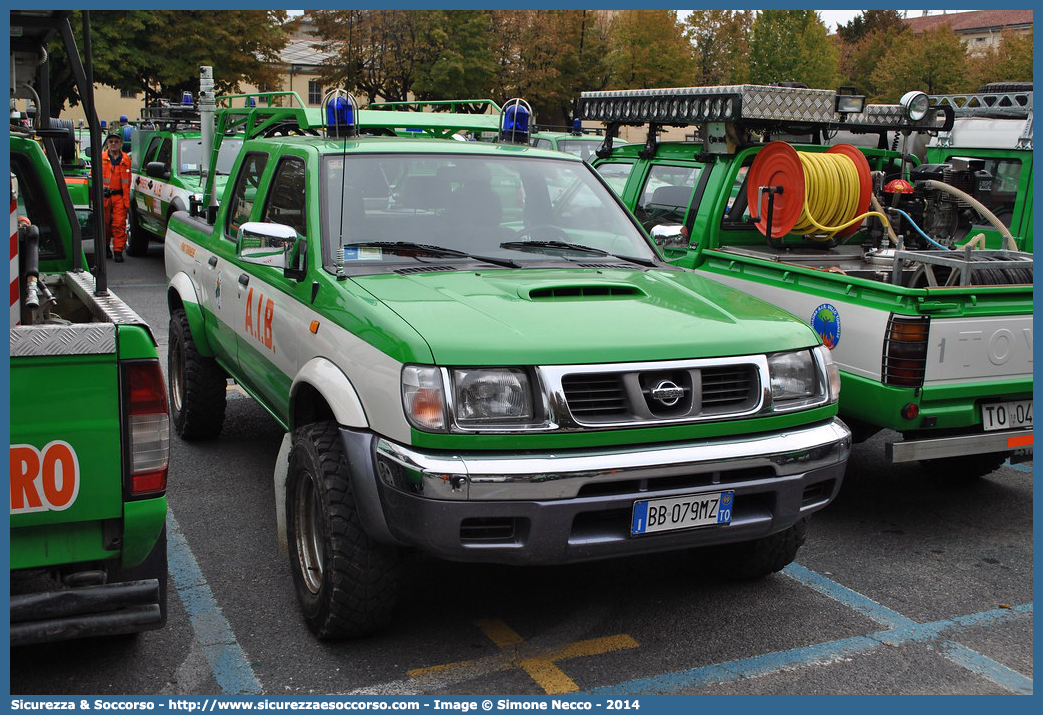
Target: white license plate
{"points": [[652, 515], [1006, 415]]}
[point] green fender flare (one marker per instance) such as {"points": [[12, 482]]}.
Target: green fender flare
{"points": [[182, 291]]}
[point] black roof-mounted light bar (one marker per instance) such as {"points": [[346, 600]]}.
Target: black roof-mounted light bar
{"points": [[749, 105]]}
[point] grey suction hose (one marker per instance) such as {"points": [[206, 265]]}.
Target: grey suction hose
{"points": [[1008, 239]]}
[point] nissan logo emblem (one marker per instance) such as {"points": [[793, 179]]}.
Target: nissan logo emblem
{"points": [[667, 393]]}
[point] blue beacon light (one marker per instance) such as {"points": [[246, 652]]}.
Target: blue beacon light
{"points": [[340, 117], [515, 126], [577, 127]]}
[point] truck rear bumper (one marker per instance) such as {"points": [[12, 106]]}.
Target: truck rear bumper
{"points": [[959, 446], [110, 609], [578, 506]]}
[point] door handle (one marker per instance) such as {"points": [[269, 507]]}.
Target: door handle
{"points": [[212, 261], [244, 280]]}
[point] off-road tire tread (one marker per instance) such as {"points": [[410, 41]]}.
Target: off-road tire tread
{"points": [[362, 577], [1002, 87], [762, 557], [204, 383]]}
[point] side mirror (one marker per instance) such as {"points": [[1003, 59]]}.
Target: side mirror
{"points": [[157, 170], [268, 244], [669, 235]]}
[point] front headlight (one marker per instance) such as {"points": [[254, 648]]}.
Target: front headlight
{"points": [[485, 396], [794, 380], [423, 397]]}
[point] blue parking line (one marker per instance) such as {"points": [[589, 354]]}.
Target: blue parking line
{"points": [[900, 630], [227, 660], [832, 651], [844, 595], [987, 668]]}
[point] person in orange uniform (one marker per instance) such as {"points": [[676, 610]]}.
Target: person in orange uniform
{"points": [[115, 173]]}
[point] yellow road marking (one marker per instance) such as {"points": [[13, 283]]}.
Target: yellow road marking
{"points": [[540, 666]]}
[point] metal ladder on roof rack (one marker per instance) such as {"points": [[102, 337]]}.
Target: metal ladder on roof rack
{"points": [[996, 105]]}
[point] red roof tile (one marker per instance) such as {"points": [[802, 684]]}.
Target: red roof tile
{"points": [[972, 20]]}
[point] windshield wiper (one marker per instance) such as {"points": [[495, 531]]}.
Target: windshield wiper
{"points": [[410, 248], [530, 245], [578, 247]]}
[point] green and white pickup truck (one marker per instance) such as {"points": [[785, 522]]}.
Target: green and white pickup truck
{"points": [[168, 162], [476, 353], [90, 428], [992, 131], [932, 337]]}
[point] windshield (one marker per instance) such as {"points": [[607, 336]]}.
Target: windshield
{"points": [[190, 156], [399, 208], [583, 148]]}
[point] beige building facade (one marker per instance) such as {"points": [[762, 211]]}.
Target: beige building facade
{"points": [[980, 30]]}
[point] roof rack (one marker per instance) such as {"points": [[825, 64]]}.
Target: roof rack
{"points": [[171, 115], [989, 105], [456, 106], [753, 106], [1014, 105], [257, 121]]}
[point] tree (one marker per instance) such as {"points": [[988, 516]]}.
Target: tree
{"points": [[933, 61], [870, 21], [375, 52], [159, 52], [792, 46], [458, 62], [1010, 62], [720, 39], [649, 50], [559, 54]]}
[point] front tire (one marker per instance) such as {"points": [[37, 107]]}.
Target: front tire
{"points": [[196, 383], [346, 583], [762, 557], [137, 243]]}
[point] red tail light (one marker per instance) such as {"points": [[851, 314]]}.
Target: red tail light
{"points": [[148, 424], [905, 351]]}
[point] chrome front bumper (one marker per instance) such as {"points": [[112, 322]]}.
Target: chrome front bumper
{"points": [[556, 508], [542, 476]]}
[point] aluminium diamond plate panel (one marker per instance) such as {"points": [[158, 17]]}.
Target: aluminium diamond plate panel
{"points": [[49, 340], [787, 103], [94, 338], [107, 307]]}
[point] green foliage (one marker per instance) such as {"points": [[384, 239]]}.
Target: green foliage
{"points": [[560, 53], [458, 60], [1010, 62], [649, 49], [377, 53], [792, 46], [721, 44], [869, 22], [858, 61], [933, 61], [159, 52]]}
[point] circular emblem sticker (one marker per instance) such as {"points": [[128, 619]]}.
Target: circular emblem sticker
{"points": [[826, 322]]}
